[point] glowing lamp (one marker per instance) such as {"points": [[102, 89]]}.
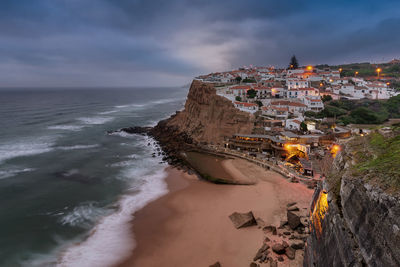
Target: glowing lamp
{"points": [[309, 68], [340, 69]]}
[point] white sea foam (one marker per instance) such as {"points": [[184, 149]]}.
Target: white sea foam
{"points": [[83, 215], [108, 112], [74, 128], [77, 147], [13, 172], [124, 134], [25, 148], [95, 120], [111, 240]]}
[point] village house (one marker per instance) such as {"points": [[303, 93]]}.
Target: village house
{"points": [[296, 83], [247, 107]]}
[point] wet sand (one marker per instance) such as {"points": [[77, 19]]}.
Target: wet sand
{"points": [[190, 226]]}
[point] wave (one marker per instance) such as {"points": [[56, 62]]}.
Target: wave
{"points": [[111, 240], [11, 173], [149, 103], [83, 215], [108, 112], [25, 148], [66, 127], [95, 120], [77, 147]]}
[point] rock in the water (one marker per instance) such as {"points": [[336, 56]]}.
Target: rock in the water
{"points": [[293, 220], [242, 219], [253, 264], [217, 264], [293, 208], [297, 244], [278, 249]]}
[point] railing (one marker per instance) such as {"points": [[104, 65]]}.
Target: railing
{"points": [[265, 163]]}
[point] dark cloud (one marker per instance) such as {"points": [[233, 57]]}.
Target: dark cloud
{"points": [[158, 42]]}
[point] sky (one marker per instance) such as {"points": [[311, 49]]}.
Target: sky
{"points": [[73, 43]]}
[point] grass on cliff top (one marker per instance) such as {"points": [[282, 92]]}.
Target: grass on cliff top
{"points": [[378, 159]]}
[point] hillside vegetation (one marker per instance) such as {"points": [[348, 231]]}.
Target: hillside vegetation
{"points": [[364, 111], [377, 159]]}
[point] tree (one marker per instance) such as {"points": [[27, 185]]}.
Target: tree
{"points": [[326, 98], [303, 126], [294, 64], [238, 98], [259, 103], [238, 79], [251, 93]]}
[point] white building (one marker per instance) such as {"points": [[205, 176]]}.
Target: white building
{"points": [[296, 83], [247, 107]]}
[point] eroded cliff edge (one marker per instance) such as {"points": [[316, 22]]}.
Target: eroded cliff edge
{"points": [[355, 214], [206, 119]]}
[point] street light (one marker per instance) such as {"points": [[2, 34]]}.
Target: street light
{"points": [[356, 73], [340, 69], [309, 68], [378, 70]]}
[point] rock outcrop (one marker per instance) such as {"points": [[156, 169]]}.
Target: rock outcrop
{"points": [[207, 118], [354, 223]]}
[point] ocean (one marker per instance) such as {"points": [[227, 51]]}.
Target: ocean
{"points": [[67, 188]]}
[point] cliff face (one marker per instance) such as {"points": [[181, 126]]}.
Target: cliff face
{"points": [[359, 225], [207, 118]]}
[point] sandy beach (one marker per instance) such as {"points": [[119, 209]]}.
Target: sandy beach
{"points": [[190, 226]]}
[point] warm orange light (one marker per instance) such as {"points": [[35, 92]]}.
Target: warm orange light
{"points": [[378, 70], [331, 80], [340, 69], [309, 68], [321, 84], [356, 72], [387, 83], [336, 147]]}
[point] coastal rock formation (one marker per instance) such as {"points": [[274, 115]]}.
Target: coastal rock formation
{"points": [[354, 223], [206, 118]]}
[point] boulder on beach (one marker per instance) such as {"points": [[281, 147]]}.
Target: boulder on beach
{"points": [[293, 208], [261, 253], [240, 220], [293, 220], [278, 249], [291, 204], [290, 253], [297, 244]]}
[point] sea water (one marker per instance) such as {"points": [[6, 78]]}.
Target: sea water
{"points": [[67, 188]]}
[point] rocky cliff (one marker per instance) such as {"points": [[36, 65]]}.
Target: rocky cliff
{"points": [[354, 221], [207, 117]]}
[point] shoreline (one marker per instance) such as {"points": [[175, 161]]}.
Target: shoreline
{"points": [[189, 226]]}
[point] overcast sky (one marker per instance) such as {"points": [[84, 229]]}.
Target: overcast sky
{"points": [[167, 42]]}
